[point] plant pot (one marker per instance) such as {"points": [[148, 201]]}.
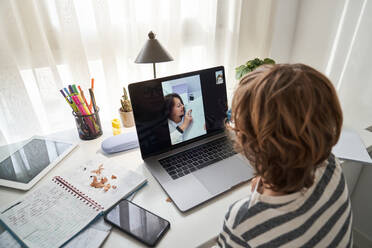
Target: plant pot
{"points": [[127, 118]]}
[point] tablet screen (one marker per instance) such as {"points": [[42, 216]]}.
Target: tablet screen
{"points": [[27, 162]]}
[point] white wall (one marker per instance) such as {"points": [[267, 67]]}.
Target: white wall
{"points": [[284, 26], [355, 81], [315, 31]]}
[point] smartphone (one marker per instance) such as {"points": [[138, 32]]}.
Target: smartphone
{"points": [[137, 222]]}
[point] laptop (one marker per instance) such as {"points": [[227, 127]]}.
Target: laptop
{"points": [[180, 123]]}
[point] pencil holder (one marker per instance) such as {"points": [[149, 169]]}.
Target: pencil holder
{"points": [[88, 126]]}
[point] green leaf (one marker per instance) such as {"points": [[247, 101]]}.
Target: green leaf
{"points": [[268, 61], [239, 68], [238, 74], [256, 62], [246, 70], [251, 65]]}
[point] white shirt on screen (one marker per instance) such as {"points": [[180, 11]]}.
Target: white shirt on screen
{"points": [[175, 135]]}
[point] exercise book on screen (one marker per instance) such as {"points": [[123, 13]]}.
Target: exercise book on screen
{"points": [[56, 211], [193, 161]]}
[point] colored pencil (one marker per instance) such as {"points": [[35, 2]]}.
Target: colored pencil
{"points": [[90, 103], [70, 89], [85, 100], [75, 89], [82, 111], [71, 103], [93, 100]]}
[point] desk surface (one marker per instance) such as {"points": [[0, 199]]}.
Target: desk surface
{"points": [[187, 230], [202, 223]]}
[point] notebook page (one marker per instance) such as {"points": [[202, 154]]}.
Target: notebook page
{"points": [[92, 237], [126, 181], [48, 216], [6, 240]]}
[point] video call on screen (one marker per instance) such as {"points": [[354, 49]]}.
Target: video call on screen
{"points": [[202, 92]]}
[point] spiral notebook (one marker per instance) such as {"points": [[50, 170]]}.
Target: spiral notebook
{"points": [[56, 211]]}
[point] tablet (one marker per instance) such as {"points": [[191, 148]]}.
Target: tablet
{"points": [[30, 162]]}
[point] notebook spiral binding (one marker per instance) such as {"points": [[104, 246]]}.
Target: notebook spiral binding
{"points": [[78, 193]]}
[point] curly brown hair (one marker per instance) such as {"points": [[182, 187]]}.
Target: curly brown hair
{"points": [[287, 118]]}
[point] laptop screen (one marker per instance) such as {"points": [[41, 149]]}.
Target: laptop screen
{"points": [[176, 110]]}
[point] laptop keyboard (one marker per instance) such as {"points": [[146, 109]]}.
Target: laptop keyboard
{"points": [[196, 158]]}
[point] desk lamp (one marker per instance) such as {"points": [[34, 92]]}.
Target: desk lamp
{"points": [[153, 52]]}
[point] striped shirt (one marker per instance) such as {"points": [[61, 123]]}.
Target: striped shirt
{"points": [[317, 217]]}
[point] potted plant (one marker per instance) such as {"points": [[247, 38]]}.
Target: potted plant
{"points": [[126, 111], [250, 66]]}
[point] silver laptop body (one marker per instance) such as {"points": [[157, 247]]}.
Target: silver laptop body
{"points": [[190, 190]]}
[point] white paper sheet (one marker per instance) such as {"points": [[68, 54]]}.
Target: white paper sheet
{"points": [[350, 146]]}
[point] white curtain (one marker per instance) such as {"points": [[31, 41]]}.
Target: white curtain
{"points": [[350, 65], [46, 45]]}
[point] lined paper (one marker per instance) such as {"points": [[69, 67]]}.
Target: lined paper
{"points": [[48, 216], [92, 237]]}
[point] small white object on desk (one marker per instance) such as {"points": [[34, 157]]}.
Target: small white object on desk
{"points": [[121, 142], [350, 146]]}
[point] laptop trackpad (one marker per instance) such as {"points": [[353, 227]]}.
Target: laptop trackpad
{"points": [[224, 174]]}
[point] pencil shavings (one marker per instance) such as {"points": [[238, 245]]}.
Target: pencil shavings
{"points": [[104, 180], [107, 187], [101, 182], [96, 183], [99, 170]]}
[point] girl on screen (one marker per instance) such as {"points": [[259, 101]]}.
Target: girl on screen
{"points": [[178, 122]]}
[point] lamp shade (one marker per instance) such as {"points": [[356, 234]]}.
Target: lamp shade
{"points": [[153, 52]]}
